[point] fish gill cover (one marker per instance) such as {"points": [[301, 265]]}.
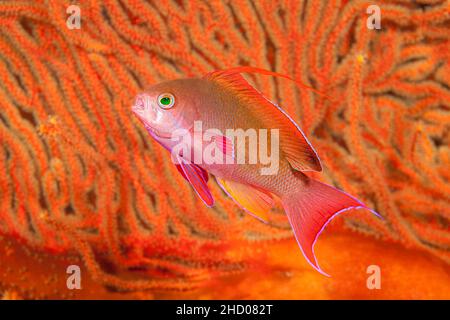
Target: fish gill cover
{"points": [[79, 176]]}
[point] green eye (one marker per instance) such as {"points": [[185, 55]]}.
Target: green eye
{"points": [[166, 100]]}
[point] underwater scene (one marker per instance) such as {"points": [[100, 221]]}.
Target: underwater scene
{"points": [[225, 149]]}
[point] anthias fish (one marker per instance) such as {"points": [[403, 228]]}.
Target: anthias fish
{"points": [[224, 100]]}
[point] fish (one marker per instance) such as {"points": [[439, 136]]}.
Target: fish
{"points": [[223, 101]]}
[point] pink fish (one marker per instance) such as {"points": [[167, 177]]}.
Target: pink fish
{"points": [[223, 101]]}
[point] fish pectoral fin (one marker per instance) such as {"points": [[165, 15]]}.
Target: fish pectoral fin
{"points": [[293, 143], [253, 200], [198, 179], [224, 144], [221, 144]]}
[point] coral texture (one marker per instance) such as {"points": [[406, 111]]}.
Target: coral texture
{"points": [[81, 176]]}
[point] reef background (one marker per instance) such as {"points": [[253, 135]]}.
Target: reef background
{"points": [[82, 183]]}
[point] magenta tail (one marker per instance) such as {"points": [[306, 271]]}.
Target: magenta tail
{"points": [[311, 209]]}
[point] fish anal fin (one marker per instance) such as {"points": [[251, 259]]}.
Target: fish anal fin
{"points": [[255, 201]]}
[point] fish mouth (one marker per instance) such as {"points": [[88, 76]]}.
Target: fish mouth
{"points": [[138, 107], [156, 133]]}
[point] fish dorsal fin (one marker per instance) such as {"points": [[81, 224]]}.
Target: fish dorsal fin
{"points": [[253, 200], [248, 69], [296, 147]]}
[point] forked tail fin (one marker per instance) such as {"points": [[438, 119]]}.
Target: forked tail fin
{"points": [[311, 209]]}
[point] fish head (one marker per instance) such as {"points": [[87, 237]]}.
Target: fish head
{"points": [[167, 107]]}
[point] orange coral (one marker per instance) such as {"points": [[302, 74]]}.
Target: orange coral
{"points": [[405, 274], [82, 175]]}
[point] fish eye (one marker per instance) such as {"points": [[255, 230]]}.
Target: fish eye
{"points": [[166, 100]]}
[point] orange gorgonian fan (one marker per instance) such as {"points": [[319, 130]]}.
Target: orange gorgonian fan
{"points": [[79, 174]]}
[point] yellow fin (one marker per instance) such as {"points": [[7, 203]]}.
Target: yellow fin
{"points": [[254, 200]]}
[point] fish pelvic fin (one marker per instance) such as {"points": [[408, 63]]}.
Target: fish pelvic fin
{"points": [[310, 210], [298, 150], [197, 177], [253, 200]]}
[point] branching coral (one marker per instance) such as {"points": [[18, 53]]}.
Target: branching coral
{"points": [[82, 175]]}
